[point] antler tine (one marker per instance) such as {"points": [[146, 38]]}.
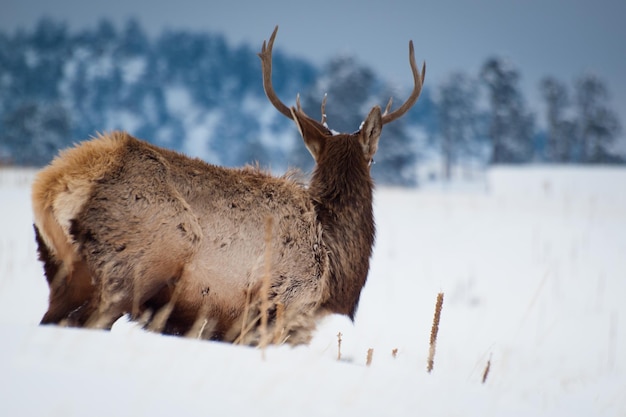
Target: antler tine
{"points": [[388, 107], [418, 82], [266, 64], [298, 105]]}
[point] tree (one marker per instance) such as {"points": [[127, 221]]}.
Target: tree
{"points": [[183, 90], [599, 125], [458, 120], [511, 125], [46, 57], [34, 132], [133, 40], [561, 135]]}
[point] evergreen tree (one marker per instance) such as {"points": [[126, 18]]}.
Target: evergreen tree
{"points": [[46, 55], [34, 132], [458, 120], [57, 88], [511, 125], [133, 40], [561, 132], [599, 125]]}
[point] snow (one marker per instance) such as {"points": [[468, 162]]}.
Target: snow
{"points": [[133, 69], [121, 119], [198, 124], [198, 134], [531, 264], [178, 99], [269, 135]]}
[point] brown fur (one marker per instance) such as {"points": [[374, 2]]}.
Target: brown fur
{"points": [[126, 227]]}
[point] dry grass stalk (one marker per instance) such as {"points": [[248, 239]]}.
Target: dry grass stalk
{"points": [[202, 328], [433, 332], [370, 353], [158, 322], [246, 328], [487, 368], [137, 296], [394, 353], [134, 313], [279, 326], [265, 289], [246, 311], [144, 319], [339, 346]]}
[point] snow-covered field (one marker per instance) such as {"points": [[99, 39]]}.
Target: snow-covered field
{"points": [[533, 266]]}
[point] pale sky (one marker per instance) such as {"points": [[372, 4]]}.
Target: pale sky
{"points": [[539, 37]]}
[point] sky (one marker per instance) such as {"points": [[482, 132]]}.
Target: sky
{"points": [[539, 37]]}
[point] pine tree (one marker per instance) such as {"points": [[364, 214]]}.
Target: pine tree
{"points": [[599, 125], [561, 135], [458, 120], [511, 125]]}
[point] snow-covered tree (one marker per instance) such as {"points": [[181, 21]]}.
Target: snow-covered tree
{"points": [[511, 125], [561, 134], [458, 117], [35, 132], [599, 124]]}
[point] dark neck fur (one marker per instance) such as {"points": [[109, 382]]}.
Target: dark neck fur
{"points": [[342, 192]]}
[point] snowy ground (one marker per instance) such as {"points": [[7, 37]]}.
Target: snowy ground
{"points": [[533, 266]]}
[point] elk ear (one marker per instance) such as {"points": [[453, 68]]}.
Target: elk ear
{"points": [[370, 132], [313, 132]]}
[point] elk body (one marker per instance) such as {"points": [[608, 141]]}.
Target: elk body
{"points": [[127, 227]]}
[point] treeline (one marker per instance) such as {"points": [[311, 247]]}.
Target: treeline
{"points": [[58, 87], [187, 91], [196, 93], [581, 126]]}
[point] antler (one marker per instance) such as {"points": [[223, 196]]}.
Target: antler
{"points": [[266, 64], [418, 81]]}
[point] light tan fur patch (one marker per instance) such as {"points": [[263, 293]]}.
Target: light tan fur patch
{"points": [[61, 189]]}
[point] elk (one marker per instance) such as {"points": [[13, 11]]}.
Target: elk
{"points": [[125, 227]]}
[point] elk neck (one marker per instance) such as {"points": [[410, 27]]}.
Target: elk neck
{"points": [[341, 189]]}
